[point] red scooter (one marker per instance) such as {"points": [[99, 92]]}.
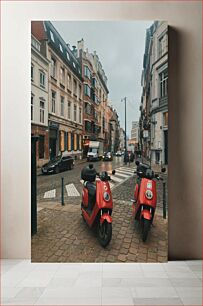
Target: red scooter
{"points": [[97, 203], [145, 197]]}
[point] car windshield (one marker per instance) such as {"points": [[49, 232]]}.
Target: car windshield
{"points": [[109, 154], [93, 150], [57, 158]]}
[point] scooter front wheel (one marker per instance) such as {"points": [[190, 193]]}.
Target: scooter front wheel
{"points": [[145, 229], [104, 232]]}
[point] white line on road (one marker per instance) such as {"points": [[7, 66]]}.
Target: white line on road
{"points": [[72, 191], [116, 179], [122, 173], [127, 169], [111, 185], [50, 194]]}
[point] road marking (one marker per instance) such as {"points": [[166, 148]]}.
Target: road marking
{"points": [[124, 174], [127, 169], [50, 194], [111, 185], [116, 179], [72, 191]]}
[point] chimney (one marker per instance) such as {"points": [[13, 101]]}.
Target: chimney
{"points": [[81, 44], [74, 51]]}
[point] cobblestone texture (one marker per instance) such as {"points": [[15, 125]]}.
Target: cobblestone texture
{"points": [[63, 236]]}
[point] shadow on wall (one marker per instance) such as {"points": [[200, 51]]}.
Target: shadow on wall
{"points": [[184, 179]]}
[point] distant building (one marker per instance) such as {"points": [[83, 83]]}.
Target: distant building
{"points": [[153, 123], [115, 130], [122, 139], [135, 134], [39, 100], [95, 98]]}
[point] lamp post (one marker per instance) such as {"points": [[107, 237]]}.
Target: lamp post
{"points": [[125, 155]]}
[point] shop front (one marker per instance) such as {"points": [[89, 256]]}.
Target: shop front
{"points": [[42, 145]]}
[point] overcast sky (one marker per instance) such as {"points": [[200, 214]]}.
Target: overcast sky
{"points": [[120, 47]]}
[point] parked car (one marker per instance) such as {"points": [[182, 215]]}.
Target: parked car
{"points": [[59, 163], [108, 156], [118, 153]]}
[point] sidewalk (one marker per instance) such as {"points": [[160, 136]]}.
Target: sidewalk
{"points": [[63, 236]]}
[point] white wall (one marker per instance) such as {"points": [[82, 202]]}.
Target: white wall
{"points": [[184, 118]]}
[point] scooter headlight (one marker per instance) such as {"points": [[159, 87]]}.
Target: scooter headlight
{"points": [[106, 196], [149, 194]]}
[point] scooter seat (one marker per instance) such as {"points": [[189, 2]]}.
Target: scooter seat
{"points": [[91, 187]]}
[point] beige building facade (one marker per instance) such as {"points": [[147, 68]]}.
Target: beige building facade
{"points": [[65, 93], [39, 100]]}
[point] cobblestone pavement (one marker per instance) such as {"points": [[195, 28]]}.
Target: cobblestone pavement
{"points": [[63, 236]]}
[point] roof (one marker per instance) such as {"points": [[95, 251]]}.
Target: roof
{"points": [[61, 48]]}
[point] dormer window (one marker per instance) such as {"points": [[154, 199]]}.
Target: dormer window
{"points": [[60, 47], [68, 56], [52, 36]]}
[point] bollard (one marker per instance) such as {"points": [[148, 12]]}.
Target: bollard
{"points": [[164, 200], [62, 191]]}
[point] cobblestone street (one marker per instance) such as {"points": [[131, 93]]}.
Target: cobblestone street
{"points": [[63, 236]]}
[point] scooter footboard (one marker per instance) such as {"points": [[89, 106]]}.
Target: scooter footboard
{"points": [[146, 214], [106, 217]]}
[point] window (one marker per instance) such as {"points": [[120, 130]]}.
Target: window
{"points": [[53, 102], [87, 72], [69, 82], [69, 110], [62, 75], [163, 45], [165, 119], [35, 44], [61, 49], [94, 82], [80, 92], [74, 65], [75, 113], [75, 142], [41, 109], [32, 108], [87, 108], [53, 67], [80, 115], [41, 146], [32, 72], [68, 56], [163, 84], [157, 156], [87, 90], [52, 36], [74, 87], [42, 79], [62, 106]]}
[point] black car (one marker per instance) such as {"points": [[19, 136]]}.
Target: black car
{"points": [[59, 163], [107, 156]]}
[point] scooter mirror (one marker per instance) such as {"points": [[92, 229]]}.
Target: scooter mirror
{"points": [[137, 162], [163, 170], [113, 172]]}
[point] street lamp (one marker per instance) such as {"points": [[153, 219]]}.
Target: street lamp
{"points": [[125, 155]]}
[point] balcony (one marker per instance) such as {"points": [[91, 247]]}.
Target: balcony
{"points": [[154, 104], [163, 101]]}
